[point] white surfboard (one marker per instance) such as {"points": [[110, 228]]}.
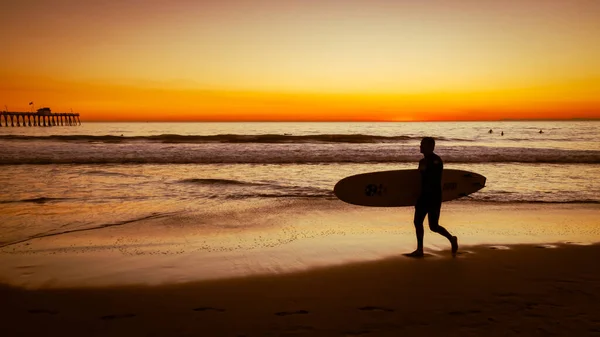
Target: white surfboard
{"points": [[402, 187]]}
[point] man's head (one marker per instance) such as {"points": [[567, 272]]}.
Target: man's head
{"points": [[427, 145]]}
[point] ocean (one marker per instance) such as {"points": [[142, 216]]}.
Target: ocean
{"points": [[220, 186]]}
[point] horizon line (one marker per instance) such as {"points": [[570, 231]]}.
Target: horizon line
{"points": [[352, 121]]}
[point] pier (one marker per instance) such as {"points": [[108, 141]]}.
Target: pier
{"points": [[43, 117]]}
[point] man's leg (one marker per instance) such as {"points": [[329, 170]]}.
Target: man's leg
{"points": [[433, 216], [420, 213]]}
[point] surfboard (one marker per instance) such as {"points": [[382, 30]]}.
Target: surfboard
{"points": [[402, 187]]}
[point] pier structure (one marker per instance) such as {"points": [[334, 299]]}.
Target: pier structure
{"points": [[43, 117]]}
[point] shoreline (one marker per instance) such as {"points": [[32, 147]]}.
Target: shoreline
{"points": [[175, 250], [520, 290]]}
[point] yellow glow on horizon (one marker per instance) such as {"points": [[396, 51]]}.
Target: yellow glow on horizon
{"points": [[285, 60], [151, 102]]}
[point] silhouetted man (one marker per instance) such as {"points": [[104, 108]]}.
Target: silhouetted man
{"points": [[430, 199]]}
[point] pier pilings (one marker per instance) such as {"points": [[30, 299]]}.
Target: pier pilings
{"points": [[18, 119]]}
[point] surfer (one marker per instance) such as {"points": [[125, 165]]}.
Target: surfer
{"points": [[430, 201]]}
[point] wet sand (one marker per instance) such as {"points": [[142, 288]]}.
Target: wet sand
{"points": [[184, 248], [489, 290]]}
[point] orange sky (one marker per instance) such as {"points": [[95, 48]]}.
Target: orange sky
{"points": [[303, 60]]}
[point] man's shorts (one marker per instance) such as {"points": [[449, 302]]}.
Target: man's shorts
{"points": [[430, 207]]}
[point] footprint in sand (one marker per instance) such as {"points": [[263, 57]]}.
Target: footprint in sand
{"points": [[499, 247], [26, 267], [300, 329], [464, 312], [358, 333], [578, 243], [369, 308], [117, 316], [208, 309], [287, 313], [42, 311], [506, 294]]}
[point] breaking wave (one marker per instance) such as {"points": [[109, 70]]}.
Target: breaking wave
{"points": [[40, 200], [201, 181], [225, 138], [356, 156]]}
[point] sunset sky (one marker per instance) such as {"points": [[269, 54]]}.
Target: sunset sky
{"points": [[175, 60]]}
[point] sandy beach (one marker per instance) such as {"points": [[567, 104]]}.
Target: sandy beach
{"points": [[513, 276], [529, 290]]}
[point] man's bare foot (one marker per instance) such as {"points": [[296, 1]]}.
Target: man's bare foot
{"points": [[416, 253], [454, 243]]}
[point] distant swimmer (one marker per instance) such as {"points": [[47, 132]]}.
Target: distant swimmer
{"points": [[429, 202], [541, 131], [502, 133], [490, 131]]}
